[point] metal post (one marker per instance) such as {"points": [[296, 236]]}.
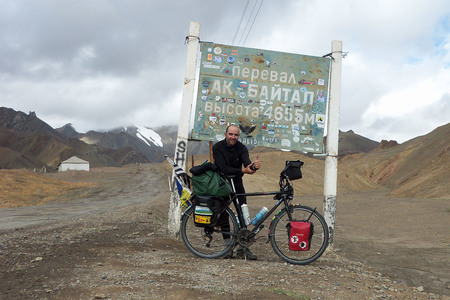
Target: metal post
{"points": [[331, 160], [183, 127]]}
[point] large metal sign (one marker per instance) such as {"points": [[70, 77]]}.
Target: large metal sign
{"points": [[277, 99]]}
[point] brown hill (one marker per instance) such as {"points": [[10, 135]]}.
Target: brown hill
{"points": [[417, 168]]}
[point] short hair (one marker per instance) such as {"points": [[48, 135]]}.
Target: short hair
{"points": [[226, 130]]}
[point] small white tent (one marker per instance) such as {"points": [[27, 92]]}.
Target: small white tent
{"points": [[74, 163]]}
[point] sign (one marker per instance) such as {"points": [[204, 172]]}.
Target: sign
{"points": [[277, 99]]}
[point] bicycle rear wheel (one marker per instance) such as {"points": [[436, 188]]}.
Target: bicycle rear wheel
{"points": [[209, 242], [279, 235]]}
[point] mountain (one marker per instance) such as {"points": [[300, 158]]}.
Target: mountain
{"points": [[416, 168], [350, 142], [28, 142]]}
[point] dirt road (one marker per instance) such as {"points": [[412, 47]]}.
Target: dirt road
{"points": [[111, 243]]}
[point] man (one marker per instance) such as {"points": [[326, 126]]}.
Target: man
{"points": [[232, 158]]}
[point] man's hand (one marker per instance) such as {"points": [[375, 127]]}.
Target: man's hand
{"points": [[252, 168]]}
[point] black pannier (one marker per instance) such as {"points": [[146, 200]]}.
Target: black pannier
{"points": [[207, 210], [293, 169]]}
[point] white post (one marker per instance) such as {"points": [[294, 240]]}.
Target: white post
{"points": [[183, 127], [331, 160]]}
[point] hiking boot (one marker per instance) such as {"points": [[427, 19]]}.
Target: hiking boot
{"points": [[246, 254]]}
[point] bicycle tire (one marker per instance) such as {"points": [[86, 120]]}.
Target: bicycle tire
{"points": [[279, 235], [196, 238]]}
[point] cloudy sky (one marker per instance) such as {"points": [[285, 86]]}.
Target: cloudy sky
{"points": [[108, 63]]}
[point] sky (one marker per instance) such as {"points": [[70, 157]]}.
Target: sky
{"points": [[105, 64]]}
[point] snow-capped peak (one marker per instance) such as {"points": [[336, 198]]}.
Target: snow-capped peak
{"points": [[148, 135]]}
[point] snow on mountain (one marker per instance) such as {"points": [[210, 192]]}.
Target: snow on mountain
{"points": [[148, 135]]}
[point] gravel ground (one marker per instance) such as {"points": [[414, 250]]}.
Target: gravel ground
{"points": [[125, 253]]}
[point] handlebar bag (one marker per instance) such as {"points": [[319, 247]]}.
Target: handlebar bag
{"points": [[300, 234], [293, 169]]}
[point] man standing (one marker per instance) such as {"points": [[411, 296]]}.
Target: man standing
{"points": [[232, 158]]}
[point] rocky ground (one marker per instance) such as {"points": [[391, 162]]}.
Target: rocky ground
{"points": [[117, 247]]}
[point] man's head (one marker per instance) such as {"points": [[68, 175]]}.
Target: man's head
{"points": [[232, 135]]}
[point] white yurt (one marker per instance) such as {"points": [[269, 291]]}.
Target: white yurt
{"points": [[74, 163]]}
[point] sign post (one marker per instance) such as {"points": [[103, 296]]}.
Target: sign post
{"points": [[183, 127], [331, 160]]}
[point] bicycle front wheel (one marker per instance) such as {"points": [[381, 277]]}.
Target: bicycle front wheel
{"points": [[279, 235], [209, 242]]}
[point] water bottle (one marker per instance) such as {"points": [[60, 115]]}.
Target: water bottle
{"points": [[245, 213], [260, 215]]}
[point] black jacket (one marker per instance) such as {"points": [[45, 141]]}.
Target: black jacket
{"points": [[230, 160]]}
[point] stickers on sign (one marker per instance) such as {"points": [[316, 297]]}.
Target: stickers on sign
{"points": [[321, 82], [217, 98], [246, 59], [262, 102], [250, 101], [205, 83], [320, 120], [285, 143], [218, 59], [231, 60], [320, 97], [209, 49], [213, 118], [242, 95], [204, 98], [218, 50], [303, 89], [234, 52], [243, 84], [303, 72], [207, 65], [209, 57]]}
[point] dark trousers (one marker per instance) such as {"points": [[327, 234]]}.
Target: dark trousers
{"points": [[223, 221]]}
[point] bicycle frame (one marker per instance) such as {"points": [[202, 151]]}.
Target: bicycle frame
{"points": [[283, 196]]}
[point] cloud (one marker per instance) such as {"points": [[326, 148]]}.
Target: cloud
{"points": [[104, 64]]}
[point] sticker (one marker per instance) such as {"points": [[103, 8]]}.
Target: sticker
{"points": [[243, 84], [320, 97], [320, 120], [210, 56], [262, 102], [213, 118], [303, 89], [246, 59], [218, 50], [303, 72], [205, 83], [218, 59], [231, 60], [217, 98], [242, 95], [210, 66], [250, 101], [306, 82], [321, 82], [234, 52], [209, 49], [294, 239]]}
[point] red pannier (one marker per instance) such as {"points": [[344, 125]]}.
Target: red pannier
{"points": [[300, 234]]}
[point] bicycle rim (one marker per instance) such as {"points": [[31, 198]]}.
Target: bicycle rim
{"points": [[279, 235], [208, 242]]}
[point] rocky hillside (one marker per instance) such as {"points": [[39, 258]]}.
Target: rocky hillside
{"points": [[416, 168], [28, 142]]}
